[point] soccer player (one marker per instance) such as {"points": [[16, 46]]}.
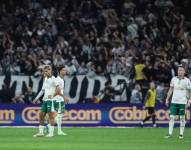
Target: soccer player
{"points": [[179, 89], [49, 89], [60, 100], [150, 104]]}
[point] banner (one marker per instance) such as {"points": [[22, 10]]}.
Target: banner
{"points": [[77, 88], [86, 115]]}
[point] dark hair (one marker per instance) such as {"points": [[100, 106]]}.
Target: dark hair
{"points": [[60, 68], [47, 67], [181, 66]]}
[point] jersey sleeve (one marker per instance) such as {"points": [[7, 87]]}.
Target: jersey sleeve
{"points": [[172, 82], [43, 85], [63, 84], [39, 94], [59, 84], [56, 82], [189, 84]]}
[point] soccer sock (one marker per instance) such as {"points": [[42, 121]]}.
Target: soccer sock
{"points": [[171, 124], [182, 124], [59, 122], [153, 118], [147, 118], [48, 126], [51, 130], [41, 129]]}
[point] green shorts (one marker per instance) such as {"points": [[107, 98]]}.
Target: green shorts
{"points": [[60, 107], [48, 106], [177, 109]]}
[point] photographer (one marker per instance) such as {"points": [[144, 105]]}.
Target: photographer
{"points": [[108, 93]]}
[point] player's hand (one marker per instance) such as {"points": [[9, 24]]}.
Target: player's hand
{"points": [[167, 102], [38, 102], [50, 96], [66, 100], [34, 101], [188, 104]]}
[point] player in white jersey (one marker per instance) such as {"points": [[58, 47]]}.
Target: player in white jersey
{"points": [[60, 100], [50, 88], [180, 87]]}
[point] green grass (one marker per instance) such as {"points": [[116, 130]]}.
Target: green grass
{"points": [[95, 139]]}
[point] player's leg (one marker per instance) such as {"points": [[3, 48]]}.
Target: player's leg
{"points": [[42, 116], [182, 126], [41, 126], [154, 120], [60, 111], [171, 124], [59, 124], [182, 120], [46, 122], [51, 114], [51, 126], [152, 111], [148, 116], [173, 112]]}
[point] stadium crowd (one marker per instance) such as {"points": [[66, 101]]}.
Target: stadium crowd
{"points": [[144, 40]]}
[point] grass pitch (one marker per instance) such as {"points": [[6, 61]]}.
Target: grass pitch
{"points": [[95, 139]]}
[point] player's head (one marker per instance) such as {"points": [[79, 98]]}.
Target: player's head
{"points": [[47, 71], [181, 71], [41, 70], [152, 85], [62, 70]]}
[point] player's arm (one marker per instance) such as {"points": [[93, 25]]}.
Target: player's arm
{"points": [[189, 98], [169, 95], [38, 96], [66, 100], [58, 92], [189, 93]]}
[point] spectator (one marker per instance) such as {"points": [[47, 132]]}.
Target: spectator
{"points": [[29, 95], [139, 74], [101, 34], [18, 99], [5, 95], [136, 95], [108, 93], [82, 69], [161, 93]]}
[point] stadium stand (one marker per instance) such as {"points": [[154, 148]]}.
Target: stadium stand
{"points": [[144, 40]]}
